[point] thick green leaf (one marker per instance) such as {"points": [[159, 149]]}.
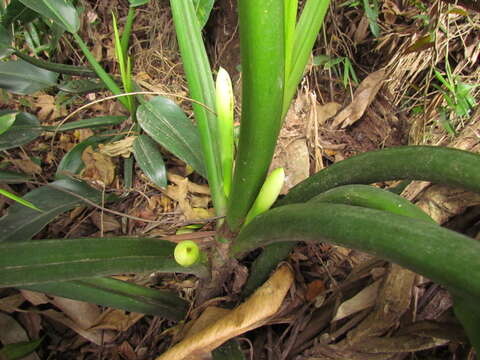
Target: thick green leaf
{"points": [[202, 91], [56, 67], [469, 315], [62, 12], [6, 121], [20, 77], [436, 164], [72, 163], [120, 295], [442, 255], [203, 8], [88, 123], [81, 86], [42, 261], [150, 160], [373, 198], [167, 124], [21, 223], [10, 177], [262, 43], [25, 129]]}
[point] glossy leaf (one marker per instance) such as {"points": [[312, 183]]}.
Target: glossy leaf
{"points": [[261, 35], [203, 8], [42, 261], [10, 177], [436, 164], [25, 129], [442, 255], [150, 160], [62, 12], [167, 124], [72, 163], [88, 123], [20, 77], [6, 121], [21, 223], [119, 295]]}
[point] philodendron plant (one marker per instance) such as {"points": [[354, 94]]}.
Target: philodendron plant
{"points": [[335, 205]]}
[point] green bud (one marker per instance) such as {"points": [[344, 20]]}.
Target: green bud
{"points": [[186, 253], [268, 194], [224, 102]]}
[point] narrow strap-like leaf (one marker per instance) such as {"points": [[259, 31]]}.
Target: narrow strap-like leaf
{"points": [[36, 262], [25, 129], [62, 12], [120, 295], [430, 163], [440, 254]]}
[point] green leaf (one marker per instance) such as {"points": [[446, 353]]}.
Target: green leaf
{"points": [[429, 163], [202, 91], [89, 123], [150, 160], [371, 10], [442, 255], [62, 12], [6, 121], [19, 200], [56, 67], [261, 35], [25, 129], [10, 177], [20, 77], [21, 223], [469, 315], [5, 43], [42, 261], [372, 198], [19, 350], [15, 13], [203, 8], [120, 295], [167, 124], [135, 3]]}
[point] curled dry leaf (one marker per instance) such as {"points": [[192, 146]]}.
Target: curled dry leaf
{"points": [[362, 98], [122, 147], [361, 301], [115, 319], [98, 167], [253, 313]]}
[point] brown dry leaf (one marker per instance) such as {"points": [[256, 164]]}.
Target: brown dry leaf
{"points": [[27, 166], [122, 147], [98, 337], [35, 298], [48, 111], [98, 167], [82, 313], [208, 318], [315, 288], [361, 301], [11, 303], [253, 313], [105, 222], [327, 111], [362, 98], [115, 319]]}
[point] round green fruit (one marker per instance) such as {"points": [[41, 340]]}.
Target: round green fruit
{"points": [[186, 253]]}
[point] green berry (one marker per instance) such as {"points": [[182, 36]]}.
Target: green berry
{"points": [[186, 253]]}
